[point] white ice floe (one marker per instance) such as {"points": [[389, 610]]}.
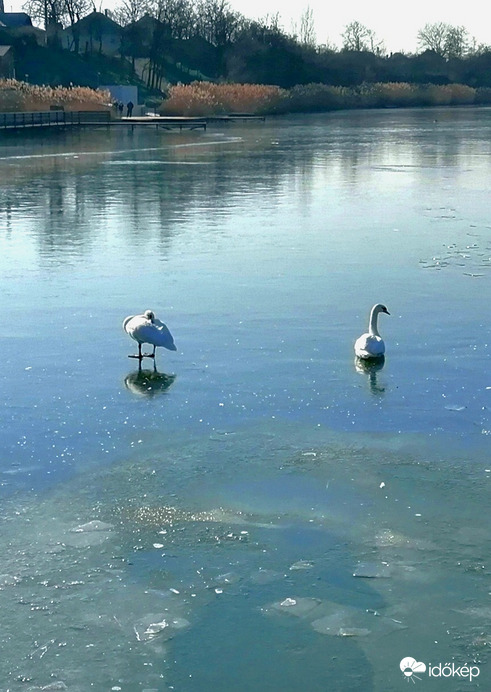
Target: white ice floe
{"points": [[164, 625], [94, 525], [335, 619], [302, 564], [373, 570]]}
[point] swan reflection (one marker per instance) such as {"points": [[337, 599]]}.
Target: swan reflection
{"points": [[371, 368], [146, 382]]}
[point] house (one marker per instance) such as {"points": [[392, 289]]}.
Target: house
{"points": [[139, 36], [7, 68], [95, 33], [14, 20], [18, 24]]}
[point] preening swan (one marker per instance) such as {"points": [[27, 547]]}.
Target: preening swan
{"points": [[147, 329], [371, 344]]}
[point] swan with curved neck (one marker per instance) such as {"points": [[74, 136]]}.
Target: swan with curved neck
{"points": [[147, 329], [371, 344]]}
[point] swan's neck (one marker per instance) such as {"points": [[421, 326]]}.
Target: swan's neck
{"points": [[372, 325]]}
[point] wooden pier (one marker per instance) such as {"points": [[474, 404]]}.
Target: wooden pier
{"points": [[55, 118], [164, 122], [60, 118]]}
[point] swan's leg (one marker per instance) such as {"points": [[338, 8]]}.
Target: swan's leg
{"points": [[149, 355], [139, 356]]}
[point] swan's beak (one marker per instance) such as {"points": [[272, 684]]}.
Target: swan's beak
{"points": [[386, 311]]}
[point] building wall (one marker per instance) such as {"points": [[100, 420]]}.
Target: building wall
{"points": [[7, 68], [122, 93]]}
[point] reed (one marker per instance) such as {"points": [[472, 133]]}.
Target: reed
{"points": [[22, 96], [205, 98]]}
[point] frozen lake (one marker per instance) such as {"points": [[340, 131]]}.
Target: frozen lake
{"points": [[256, 513]]}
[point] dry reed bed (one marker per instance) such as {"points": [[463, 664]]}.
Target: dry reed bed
{"points": [[206, 98], [21, 96]]}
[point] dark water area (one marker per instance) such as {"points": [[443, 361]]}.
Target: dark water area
{"points": [[258, 511]]}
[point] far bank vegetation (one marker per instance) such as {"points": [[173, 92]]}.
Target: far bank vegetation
{"points": [[17, 96], [205, 98]]}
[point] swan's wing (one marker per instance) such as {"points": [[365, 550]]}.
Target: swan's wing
{"points": [[369, 346], [132, 326], [155, 333], [140, 329], [165, 338], [126, 321]]}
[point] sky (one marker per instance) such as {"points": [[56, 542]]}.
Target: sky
{"points": [[396, 24]]}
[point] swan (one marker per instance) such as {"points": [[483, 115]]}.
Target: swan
{"points": [[147, 329], [371, 344]]}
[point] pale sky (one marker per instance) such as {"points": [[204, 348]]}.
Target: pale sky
{"points": [[397, 24], [394, 23]]}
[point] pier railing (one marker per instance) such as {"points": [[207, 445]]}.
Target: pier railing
{"points": [[61, 118], [10, 121]]}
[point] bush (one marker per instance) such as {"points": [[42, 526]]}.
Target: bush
{"points": [[318, 97], [447, 95], [483, 96]]}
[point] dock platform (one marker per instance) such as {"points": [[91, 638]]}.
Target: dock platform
{"points": [[61, 118]]}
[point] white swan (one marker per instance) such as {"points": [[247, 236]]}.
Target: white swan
{"points": [[147, 329], [371, 344]]}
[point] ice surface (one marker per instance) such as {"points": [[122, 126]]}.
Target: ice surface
{"points": [[302, 564], [393, 539], [94, 525], [299, 607], [372, 570], [334, 619], [266, 576], [87, 581], [160, 624], [8, 580]]}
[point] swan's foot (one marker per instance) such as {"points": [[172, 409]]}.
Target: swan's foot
{"points": [[148, 355], [137, 356]]}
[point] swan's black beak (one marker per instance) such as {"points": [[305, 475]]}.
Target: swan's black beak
{"points": [[386, 311]]}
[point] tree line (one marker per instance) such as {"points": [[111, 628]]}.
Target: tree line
{"points": [[215, 42]]}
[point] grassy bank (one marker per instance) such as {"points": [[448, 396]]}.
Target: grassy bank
{"points": [[18, 96], [205, 98]]}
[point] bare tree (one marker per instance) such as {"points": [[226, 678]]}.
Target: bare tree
{"points": [[272, 22], [307, 28], [476, 48], [358, 37], [433, 37], [130, 11], [45, 11], [446, 40], [354, 37], [177, 16], [64, 12], [457, 42], [74, 10], [217, 22]]}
